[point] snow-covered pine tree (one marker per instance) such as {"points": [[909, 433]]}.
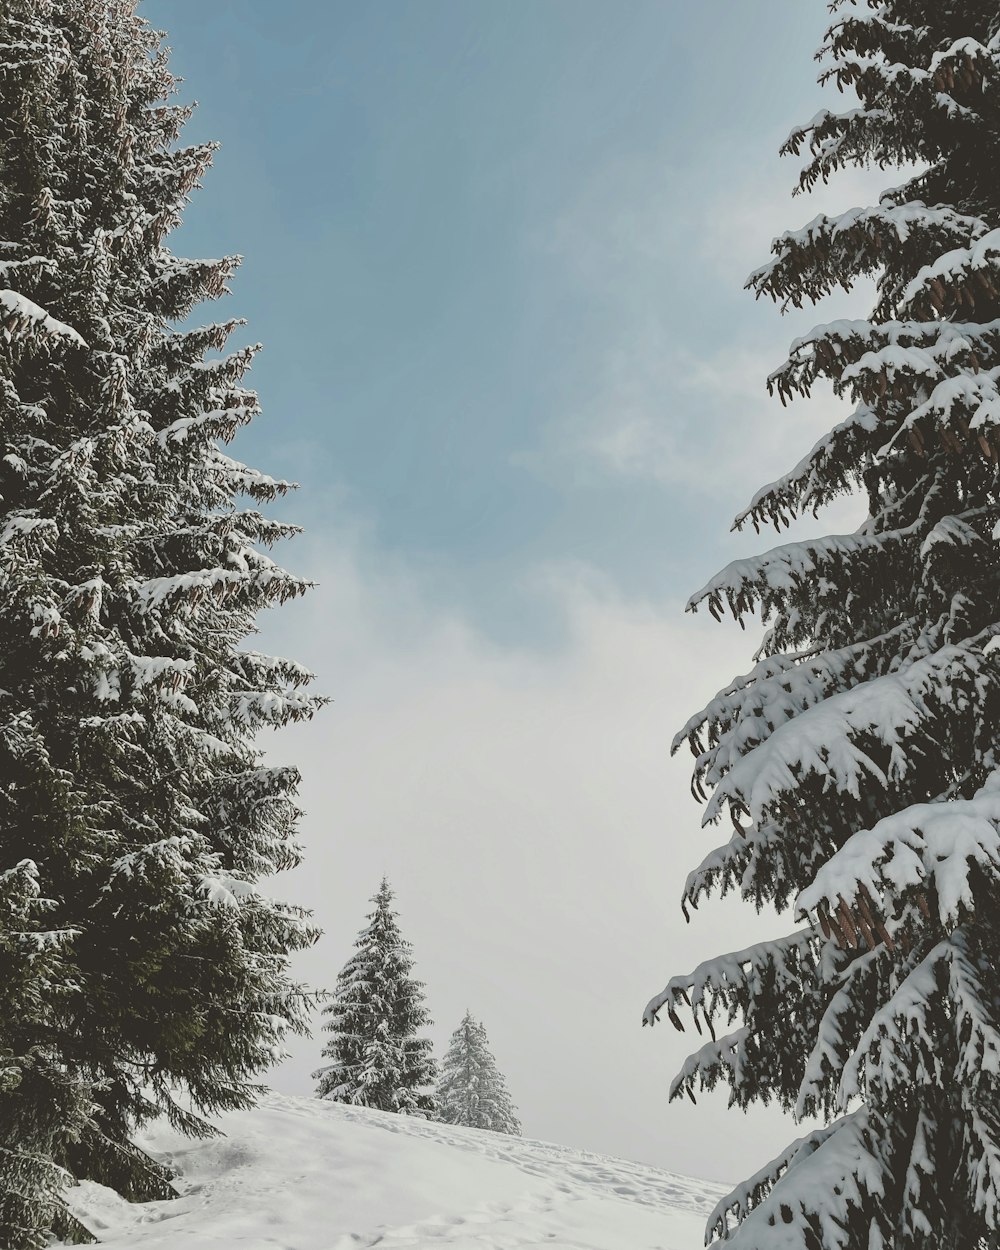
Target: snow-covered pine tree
{"points": [[375, 1015], [858, 760], [471, 1089], [141, 969]]}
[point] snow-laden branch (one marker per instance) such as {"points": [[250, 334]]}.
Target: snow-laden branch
{"points": [[937, 845], [19, 315], [824, 739]]}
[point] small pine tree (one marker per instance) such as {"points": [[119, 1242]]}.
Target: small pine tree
{"points": [[142, 971], [858, 761], [375, 1015], [472, 1090]]}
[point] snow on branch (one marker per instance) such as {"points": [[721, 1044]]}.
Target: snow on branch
{"points": [[224, 890], [19, 316], [187, 591], [182, 283], [777, 1208], [716, 1059], [900, 1049], [728, 866], [783, 571], [235, 478], [984, 1163], [249, 709], [779, 688], [926, 845], [828, 251], [828, 470], [20, 527], [837, 1033], [822, 739], [732, 981], [884, 361], [217, 423], [957, 281], [964, 410]]}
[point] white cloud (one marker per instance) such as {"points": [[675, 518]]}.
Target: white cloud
{"points": [[524, 806], [701, 424], [704, 422], [659, 405]]}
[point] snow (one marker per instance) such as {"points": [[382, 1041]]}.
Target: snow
{"points": [[192, 588], [902, 220], [223, 890], [955, 266], [835, 1160], [18, 312], [208, 422], [821, 739], [975, 398], [308, 1174], [780, 569], [966, 47], [925, 843], [19, 525], [808, 478]]}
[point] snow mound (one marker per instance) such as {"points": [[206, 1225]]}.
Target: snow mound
{"points": [[303, 1174]]}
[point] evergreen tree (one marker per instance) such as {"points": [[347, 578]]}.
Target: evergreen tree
{"points": [[376, 1013], [141, 970], [858, 760], [471, 1090]]}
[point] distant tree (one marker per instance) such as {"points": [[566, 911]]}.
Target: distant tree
{"points": [[471, 1090], [858, 762], [375, 1017], [141, 970]]}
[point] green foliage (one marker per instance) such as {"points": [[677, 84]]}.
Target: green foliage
{"points": [[471, 1090], [375, 1015], [857, 760], [141, 970]]}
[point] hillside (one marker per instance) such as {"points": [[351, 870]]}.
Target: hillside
{"points": [[300, 1174]]}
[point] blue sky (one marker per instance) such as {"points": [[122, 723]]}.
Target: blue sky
{"points": [[458, 220], [495, 252]]}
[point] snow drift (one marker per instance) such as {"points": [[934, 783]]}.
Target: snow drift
{"points": [[304, 1174]]}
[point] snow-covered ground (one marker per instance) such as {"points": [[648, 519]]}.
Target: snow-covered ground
{"points": [[300, 1174]]}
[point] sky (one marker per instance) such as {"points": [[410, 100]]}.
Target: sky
{"points": [[495, 251]]}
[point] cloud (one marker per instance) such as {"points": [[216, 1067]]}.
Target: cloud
{"points": [[700, 421], [700, 426], [659, 401], [524, 806]]}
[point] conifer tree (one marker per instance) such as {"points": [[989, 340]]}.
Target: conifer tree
{"points": [[471, 1089], [375, 1015], [141, 969], [857, 762]]}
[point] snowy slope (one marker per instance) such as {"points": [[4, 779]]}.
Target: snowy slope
{"points": [[300, 1174]]}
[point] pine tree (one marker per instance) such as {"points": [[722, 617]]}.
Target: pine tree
{"points": [[141, 970], [471, 1089], [858, 760], [376, 1013]]}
